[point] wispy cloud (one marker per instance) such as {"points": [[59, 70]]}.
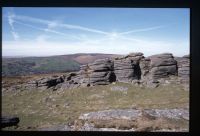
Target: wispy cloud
{"points": [[142, 30], [55, 24], [10, 19], [11, 16], [109, 38], [48, 30], [15, 35], [48, 22]]}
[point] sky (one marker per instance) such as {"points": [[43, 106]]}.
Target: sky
{"points": [[59, 31]]}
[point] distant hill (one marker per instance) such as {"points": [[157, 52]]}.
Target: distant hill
{"points": [[18, 66]]}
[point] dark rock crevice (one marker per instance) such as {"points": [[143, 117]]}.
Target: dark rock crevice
{"points": [[112, 77], [137, 71]]}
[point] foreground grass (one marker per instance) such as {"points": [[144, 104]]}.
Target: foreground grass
{"points": [[37, 109]]}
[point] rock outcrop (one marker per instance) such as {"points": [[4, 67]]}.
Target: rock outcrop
{"points": [[132, 68]]}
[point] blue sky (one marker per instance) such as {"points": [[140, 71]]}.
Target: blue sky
{"points": [[58, 31]]}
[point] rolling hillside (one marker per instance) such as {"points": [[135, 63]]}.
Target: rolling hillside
{"points": [[52, 64]]}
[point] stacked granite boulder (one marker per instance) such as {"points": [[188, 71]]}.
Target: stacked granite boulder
{"points": [[162, 65], [184, 69], [127, 68], [98, 73], [157, 68]]}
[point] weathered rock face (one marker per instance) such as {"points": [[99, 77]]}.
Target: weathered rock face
{"points": [[127, 68], [155, 68], [162, 66]]}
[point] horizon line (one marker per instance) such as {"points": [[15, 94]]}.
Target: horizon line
{"points": [[26, 56]]}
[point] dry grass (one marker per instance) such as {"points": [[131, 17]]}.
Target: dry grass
{"points": [[37, 109]]}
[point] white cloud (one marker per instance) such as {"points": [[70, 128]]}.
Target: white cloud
{"points": [[53, 24]]}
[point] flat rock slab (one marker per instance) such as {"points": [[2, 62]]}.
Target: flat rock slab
{"points": [[56, 128], [130, 114], [168, 113], [91, 127]]}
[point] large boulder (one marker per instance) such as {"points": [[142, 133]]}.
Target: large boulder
{"points": [[157, 68], [162, 66]]}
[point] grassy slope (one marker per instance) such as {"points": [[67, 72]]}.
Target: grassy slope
{"points": [[44, 108]]}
